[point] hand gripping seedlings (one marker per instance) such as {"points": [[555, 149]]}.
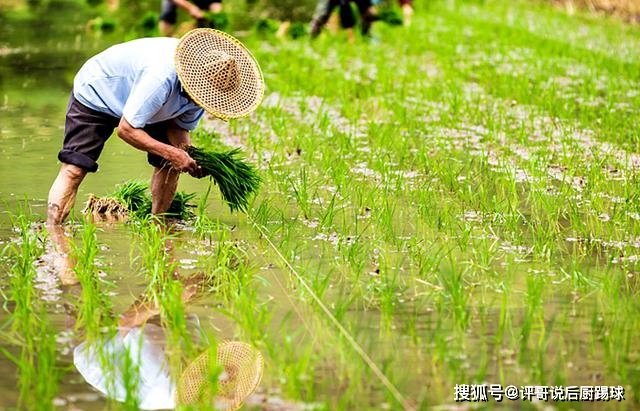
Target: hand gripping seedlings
{"points": [[237, 179]]}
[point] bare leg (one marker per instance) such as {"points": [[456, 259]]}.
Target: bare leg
{"points": [[215, 7], [62, 195], [164, 184], [407, 12], [165, 28], [62, 262], [351, 37]]}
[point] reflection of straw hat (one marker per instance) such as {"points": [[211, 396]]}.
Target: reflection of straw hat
{"points": [[219, 73], [240, 375]]}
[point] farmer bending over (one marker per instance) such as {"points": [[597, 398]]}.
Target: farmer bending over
{"points": [[152, 91]]}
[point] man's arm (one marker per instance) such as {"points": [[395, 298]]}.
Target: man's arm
{"points": [[191, 8], [139, 139]]}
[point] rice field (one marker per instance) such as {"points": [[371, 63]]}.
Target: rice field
{"points": [[446, 210]]}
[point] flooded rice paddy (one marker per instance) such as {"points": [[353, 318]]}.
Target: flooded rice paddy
{"points": [[450, 204]]}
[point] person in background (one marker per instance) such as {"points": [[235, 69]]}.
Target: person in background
{"points": [[405, 5], [196, 9], [324, 9], [407, 11]]}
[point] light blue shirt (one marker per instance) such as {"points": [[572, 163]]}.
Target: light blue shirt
{"points": [[137, 80]]}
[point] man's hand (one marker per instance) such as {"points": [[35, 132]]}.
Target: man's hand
{"points": [[190, 8], [196, 13], [182, 162], [177, 156]]}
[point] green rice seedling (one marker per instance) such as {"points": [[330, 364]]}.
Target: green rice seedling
{"points": [[181, 207], [300, 187], [95, 308], [22, 255], [205, 227], [533, 313], [297, 30], [218, 21], [390, 16], [133, 194], [266, 26], [236, 179], [38, 371], [39, 374], [174, 320], [131, 199]]}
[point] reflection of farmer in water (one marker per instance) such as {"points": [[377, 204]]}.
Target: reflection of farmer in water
{"points": [[138, 351], [152, 91], [132, 365]]}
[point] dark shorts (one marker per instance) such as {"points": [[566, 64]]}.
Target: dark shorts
{"points": [[169, 11], [87, 130]]}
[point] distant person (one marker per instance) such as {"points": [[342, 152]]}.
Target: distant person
{"points": [[153, 92], [405, 5], [324, 9], [407, 11], [196, 9]]}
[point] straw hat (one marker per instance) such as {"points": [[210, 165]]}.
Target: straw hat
{"points": [[240, 375], [219, 73]]}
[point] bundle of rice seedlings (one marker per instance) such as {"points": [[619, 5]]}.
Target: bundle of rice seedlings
{"points": [[219, 21], [236, 179], [180, 206], [133, 194], [131, 199], [390, 16]]}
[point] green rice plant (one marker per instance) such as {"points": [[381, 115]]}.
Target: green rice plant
{"points": [[390, 16], [95, 307], [174, 319], [266, 26], [236, 179], [22, 255], [218, 21], [131, 199], [297, 30], [135, 197], [133, 194], [205, 227], [181, 207], [38, 371], [533, 313]]}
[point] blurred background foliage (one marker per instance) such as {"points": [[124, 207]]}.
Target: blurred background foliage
{"points": [[128, 19]]}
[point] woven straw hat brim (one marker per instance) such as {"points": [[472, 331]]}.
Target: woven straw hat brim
{"points": [[243, 366], [193, 54]]}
